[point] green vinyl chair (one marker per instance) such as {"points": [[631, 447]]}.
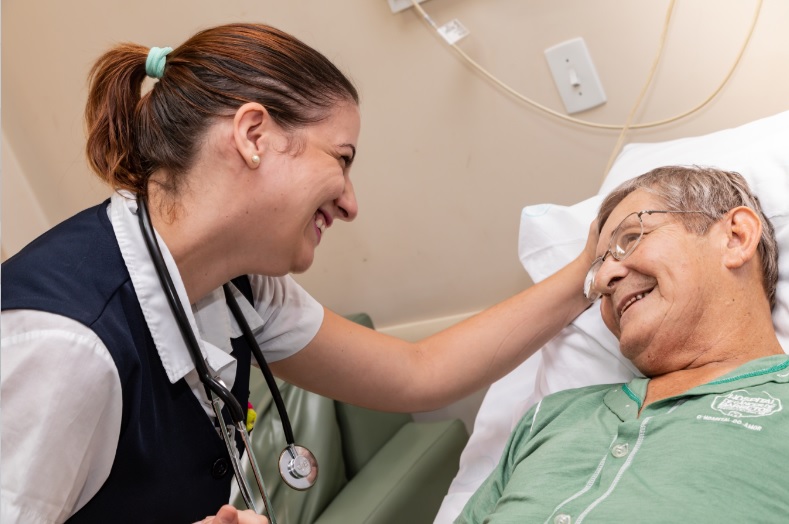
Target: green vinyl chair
{"points": [[373, 467]]}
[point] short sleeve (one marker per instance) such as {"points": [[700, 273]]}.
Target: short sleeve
{"points": [[291, 316], [484, 501], [61, 416]]}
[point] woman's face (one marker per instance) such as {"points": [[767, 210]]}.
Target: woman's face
{"points": [[307, 187]]}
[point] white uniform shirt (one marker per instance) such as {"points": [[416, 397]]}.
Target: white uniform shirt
{"points": [[60, 390]]}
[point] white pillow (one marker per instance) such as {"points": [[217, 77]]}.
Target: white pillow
{"points": [[585, 352]]}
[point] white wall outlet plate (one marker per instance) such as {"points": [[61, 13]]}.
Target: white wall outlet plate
{"points": [[401, 5], [575, 75]]}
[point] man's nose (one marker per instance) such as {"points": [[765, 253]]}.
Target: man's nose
{"points": [[608, 274]]}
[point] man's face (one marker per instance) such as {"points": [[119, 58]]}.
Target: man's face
{"points": [[654, 300]]}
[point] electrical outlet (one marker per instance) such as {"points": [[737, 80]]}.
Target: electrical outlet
{"points": [[575, 75], [401, 5]]}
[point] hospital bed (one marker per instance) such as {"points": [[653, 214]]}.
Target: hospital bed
{"points": [[585, 352]]}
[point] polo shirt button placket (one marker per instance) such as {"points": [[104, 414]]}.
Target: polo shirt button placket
{"points": [[620, 450], [562, 518]]}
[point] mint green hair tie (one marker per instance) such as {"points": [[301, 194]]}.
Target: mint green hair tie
{"points": [[154, 64]]}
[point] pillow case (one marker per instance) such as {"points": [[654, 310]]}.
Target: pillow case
{"points": [[585, 352]]}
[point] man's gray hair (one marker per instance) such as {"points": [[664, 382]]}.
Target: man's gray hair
{"points": [[713, 191]]}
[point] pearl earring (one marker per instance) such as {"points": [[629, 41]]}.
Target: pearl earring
{"points": [[255, 159]]}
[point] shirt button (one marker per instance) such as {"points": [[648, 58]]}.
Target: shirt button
{"points": [[220, 468], [620, 450], [562, 519]]}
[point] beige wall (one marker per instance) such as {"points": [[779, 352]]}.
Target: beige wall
{"points": [[446, 160]]}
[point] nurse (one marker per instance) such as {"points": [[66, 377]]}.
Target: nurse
{"points": [[242, 150]]}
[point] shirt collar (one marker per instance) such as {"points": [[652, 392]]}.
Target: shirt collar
{"points": [[774, 368], [214, 327], [626, 400]]}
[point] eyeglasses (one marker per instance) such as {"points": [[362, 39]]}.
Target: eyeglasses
{"points": [[624, 240]]}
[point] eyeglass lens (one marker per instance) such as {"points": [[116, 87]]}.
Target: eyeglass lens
{"points": [[623, 241], [626, 236]]}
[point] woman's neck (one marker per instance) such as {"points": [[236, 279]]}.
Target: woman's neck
{"points": [[197, 241]]}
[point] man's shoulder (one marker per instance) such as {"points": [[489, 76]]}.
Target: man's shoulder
{"points": [[576, 394], [568, 404]]}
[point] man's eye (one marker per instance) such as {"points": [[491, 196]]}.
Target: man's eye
{"points": [[626, 241]]}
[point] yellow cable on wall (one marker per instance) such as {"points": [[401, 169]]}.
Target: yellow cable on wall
{"points": [[627, 125]]}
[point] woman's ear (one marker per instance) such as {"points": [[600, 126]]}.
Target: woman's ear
{"points": [[744, 232], [249, 126]]}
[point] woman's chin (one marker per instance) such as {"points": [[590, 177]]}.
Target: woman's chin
{"points": [[302, 265]]}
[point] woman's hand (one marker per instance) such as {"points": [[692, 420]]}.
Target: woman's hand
{"points": [[588, 254], [227, 514]]}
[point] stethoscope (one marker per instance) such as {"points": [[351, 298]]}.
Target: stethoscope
{"points": [[297, 465]]}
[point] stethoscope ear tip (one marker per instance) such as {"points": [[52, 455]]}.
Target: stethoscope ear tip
{"points": [[298, 467]]}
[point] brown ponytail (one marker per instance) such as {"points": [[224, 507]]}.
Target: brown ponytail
{"points": [[209, 76], [114, 94]]}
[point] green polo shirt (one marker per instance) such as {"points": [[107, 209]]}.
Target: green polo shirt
{"points": [[717, 453]]}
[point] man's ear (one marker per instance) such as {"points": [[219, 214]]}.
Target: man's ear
{"points": [[744, 231], [249, 125]]}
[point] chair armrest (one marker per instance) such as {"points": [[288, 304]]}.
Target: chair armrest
{"points": [[364, 432], [411, 471]]}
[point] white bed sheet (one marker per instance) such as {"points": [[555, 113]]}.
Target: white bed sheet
{"points": [[585, 352]]}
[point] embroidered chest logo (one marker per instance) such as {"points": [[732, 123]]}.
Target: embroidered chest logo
{"points": [[744, 404]]}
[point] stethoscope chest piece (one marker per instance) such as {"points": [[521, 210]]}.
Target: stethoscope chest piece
{"points": [[298, 467]]}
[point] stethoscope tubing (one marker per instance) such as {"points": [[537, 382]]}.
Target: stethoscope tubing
{"points": [[291, 469], [261, 360], [209, 382]]}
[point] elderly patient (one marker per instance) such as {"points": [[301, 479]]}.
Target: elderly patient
{"points": [[687, 274]]}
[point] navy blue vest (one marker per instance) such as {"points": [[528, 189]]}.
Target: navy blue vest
{"points": [[170, 464]]}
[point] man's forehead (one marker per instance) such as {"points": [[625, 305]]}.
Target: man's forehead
{"points": [[638, 200]]}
